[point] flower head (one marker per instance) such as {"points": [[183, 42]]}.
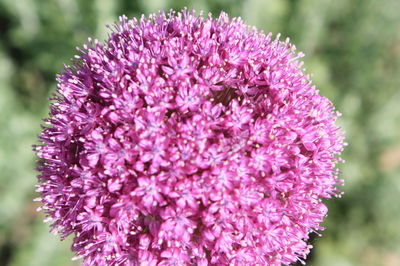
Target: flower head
{"points": [[187, 140]]}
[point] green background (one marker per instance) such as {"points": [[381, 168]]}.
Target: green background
{"points": [[352, 47]]}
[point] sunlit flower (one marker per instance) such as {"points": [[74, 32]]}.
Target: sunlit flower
{"points": [[186, 140]]}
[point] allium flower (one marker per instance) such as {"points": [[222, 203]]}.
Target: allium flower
{"points": [[188, 141]]}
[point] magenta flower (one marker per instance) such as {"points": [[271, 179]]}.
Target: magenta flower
{"points": [[188, 141]]}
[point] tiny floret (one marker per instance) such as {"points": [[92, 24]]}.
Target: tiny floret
{"points": [[188, 140]]}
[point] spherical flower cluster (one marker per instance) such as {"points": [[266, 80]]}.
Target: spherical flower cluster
{"points": [[188, 141]]}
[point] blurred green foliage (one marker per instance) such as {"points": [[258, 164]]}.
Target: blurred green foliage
{"points": [[352, 47]]}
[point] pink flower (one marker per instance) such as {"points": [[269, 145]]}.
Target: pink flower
{"points": [[183, 194], [186, 140], [177, 224], [149, 192], [239, 116], [174, 257], [187, 99], [91, 219]]}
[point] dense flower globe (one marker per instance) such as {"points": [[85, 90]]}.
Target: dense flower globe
{"points": [[186, 140]]}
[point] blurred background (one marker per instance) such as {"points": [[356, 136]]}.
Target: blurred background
{"points": [[352, 47]]}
